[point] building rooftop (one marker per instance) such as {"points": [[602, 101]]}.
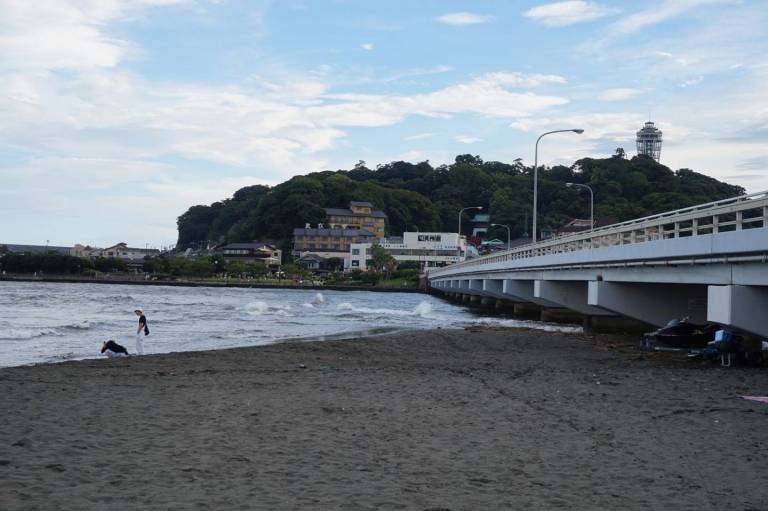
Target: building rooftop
{"points": [[349, 212], [312, 257], [344, 233], [582, 224], [360, 204], [35, 249], [248, 245]]}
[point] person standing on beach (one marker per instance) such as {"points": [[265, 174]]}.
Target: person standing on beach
{"points": [[141, 332]]}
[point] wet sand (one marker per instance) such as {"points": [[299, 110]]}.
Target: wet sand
{"points": [[459, 420]]}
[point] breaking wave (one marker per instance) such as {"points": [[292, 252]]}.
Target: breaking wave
{"points": [[423, 309], [259, 308], [34, 332], [533, 325], [27, 333]]}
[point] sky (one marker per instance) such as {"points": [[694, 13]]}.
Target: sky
{"points": [[116, 116]]}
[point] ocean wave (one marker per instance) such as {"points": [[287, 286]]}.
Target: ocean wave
{"points": [[61, 357], [534, 325], [20, 333], [119, 298], [28, 333], [259, 308], [423, 309]]}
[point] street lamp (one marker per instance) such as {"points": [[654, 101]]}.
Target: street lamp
{"points": [[591, 202], [509, 235], [536, 173], [458, 242]]}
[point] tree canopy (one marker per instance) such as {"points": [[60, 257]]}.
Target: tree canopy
{"points": [[418, 196]]}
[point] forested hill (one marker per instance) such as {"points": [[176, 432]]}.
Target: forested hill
{"points": [[429, 198]]}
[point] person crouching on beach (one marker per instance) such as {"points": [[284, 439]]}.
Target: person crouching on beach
{"points": [[113, 350], [141, 332]]}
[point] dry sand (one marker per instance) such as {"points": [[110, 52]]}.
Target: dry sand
{"points": [[430, 420]]}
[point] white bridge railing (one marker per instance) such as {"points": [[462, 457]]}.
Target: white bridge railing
{"points": [[735, 214]]}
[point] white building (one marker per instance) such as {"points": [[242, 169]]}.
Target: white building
{"points": [[430, 249]]}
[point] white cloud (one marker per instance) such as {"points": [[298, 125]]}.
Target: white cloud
{"points": [[413, 156], [485, 95], [619, 126], [367, 46], [519, 79], [560, 14], [65, 34], [465, 139], [463, 18], [418, 136], [659, 13], [619, 94], [691, 81]]}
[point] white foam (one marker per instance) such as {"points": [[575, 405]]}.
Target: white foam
{"points": [[423, 309], [28, 333], [260, 307], [319, 299], [533, 325]]}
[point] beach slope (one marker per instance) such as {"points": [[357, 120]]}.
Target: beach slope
{"points": [[459, 420]]}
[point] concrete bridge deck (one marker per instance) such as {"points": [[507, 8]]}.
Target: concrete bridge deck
{"points": [[708, 262]]}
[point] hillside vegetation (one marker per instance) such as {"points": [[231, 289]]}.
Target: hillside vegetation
{"points": [[419, 196]]}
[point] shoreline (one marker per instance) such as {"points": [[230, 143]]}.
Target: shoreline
{"points": [[441, 419], [176, 283]]}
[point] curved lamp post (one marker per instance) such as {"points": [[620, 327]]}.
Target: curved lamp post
{"points": [[458, 242], [591, 202], [536, 174], [509, 233]]}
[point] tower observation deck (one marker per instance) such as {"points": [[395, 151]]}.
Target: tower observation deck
{"points": [[649, 141]]}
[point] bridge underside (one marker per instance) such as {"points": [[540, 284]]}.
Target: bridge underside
{"points": [[734, 295]]}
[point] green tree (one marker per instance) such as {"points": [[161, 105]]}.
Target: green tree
{"points": [[381, 260]]}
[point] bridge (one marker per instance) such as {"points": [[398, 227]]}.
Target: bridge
{"points": [[708, 262]]}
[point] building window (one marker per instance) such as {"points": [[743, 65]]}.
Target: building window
{"points": [[355, 251], [355, 263]]}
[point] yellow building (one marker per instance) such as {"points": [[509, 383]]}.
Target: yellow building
{"points": [[360, 215]]}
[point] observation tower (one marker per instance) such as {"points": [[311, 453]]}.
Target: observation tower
{"points": [[649, 141]]}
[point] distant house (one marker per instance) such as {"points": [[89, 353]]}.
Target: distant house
{"points": [[480, 223], [129, 254], [360, 215], [253, 253], [314, 263], [85, 251], [429, 249], [327, 242], [35, 249], [493, 245], [582, 224]]}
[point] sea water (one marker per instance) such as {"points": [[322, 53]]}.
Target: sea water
{"points": [[52, 322]]}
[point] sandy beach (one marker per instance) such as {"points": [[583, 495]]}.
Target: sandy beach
{"points": [[442, 419]]}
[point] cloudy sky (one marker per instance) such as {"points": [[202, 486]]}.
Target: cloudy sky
{"points": [[117, 115]]}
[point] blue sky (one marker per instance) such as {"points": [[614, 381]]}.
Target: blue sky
{"points": [[117, 115]]}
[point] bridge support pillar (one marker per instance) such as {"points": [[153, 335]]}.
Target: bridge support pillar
{"points": [[569, 294], [493, 287], [522, 291], [655, 304], [487, 301], [474, 298], [526, 310], [742, 307], [561, 315], [613, 324]]}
